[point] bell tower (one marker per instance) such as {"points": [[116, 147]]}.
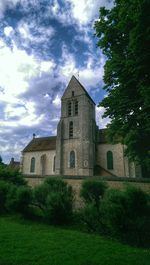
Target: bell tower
{"points": [[75, 144]]}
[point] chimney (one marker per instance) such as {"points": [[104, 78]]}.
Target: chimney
{"points": [[34, 135]]}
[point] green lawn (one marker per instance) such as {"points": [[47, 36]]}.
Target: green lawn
{"points": [[26, 243]]}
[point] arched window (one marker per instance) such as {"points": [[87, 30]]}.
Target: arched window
{"points": [[32, 165], [70, 129], [54, 162], [110, 160], [76, 107], [72, 159], [69, 108]]}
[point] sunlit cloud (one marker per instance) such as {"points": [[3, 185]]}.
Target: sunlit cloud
{"points": [[101, 122]]}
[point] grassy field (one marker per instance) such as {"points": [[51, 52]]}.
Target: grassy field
{"points": [[28, 243]]}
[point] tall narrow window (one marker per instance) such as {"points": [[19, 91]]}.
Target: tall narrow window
{"points": [[76, 107], [72, 159], [110, 160], [72, 93], [70, 129], [69, 108], [54, 163], [32, 165]]}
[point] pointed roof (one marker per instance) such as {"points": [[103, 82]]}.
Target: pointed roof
{"points": [[41, 144], [75, 83]]}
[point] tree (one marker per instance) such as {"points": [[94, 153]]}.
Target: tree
{"points": [[1, 160], [124, 37]]}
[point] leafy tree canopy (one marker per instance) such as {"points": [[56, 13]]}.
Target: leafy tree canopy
{"points": [[124, 37]]}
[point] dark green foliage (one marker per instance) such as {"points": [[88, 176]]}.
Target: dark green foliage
{"points": [[59, 207], [12, 176], [55, 199], [92, 191], [124, 37], [127, 215], [4, 187], [17, 198], [91, 219], [122, 214], [15, 195], [23, 199], [11, 198], [1, 160], [113, 211]]}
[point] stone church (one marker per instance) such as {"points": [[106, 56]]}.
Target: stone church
{"points": [[80, 148]]}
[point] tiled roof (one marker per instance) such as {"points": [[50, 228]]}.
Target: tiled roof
{"points": [[41, 144]]}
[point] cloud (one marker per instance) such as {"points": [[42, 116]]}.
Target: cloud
{"points": [[101, 122], [32, 33], [60, 12], [8, 31], [17, 68], [82, 12], [27, 89], [11, 4], [67, 66], [41, 46], [57, 101], [85, 11], [5, 4]]}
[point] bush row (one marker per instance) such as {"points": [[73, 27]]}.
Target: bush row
{"points": [[52, 200], [121, 214]]}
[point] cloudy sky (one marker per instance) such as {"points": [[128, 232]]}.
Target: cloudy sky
{"points": [[42, 44]]}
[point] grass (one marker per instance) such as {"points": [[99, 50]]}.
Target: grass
{"points": [[27, 243]]}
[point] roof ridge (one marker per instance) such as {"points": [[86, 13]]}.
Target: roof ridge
{"points": [[44, 137], [41, 144]]}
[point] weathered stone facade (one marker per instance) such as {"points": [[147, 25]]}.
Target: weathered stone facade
{"points": [[42, 167], [79, 146], [82, 140]]}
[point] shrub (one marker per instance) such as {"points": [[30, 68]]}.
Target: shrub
{"points": [[59, 208], [127, 215], [23, 199], [19, 199], [113, 211], [4, 187], [11, 198], [55, 199], [12, 176], [90, 217], [92, 191]]}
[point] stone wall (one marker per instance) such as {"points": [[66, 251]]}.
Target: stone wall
{"points": [[76, 185]]}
